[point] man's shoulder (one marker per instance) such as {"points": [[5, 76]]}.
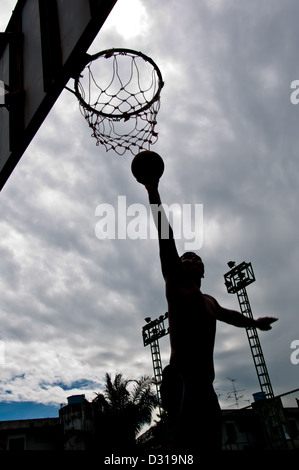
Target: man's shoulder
{"points": [[212, 305], [210, 297]]}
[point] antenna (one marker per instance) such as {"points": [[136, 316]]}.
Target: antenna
{"points": [[234, 393]]}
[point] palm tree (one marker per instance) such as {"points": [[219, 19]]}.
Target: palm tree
{"points": [[121, 410]]}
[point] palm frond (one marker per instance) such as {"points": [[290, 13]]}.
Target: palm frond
{"points": [[127, 407]]}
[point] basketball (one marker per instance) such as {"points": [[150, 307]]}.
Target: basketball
{"points": [[147, 167]]}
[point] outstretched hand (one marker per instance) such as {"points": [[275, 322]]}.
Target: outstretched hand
{"points": [[264, 323]]}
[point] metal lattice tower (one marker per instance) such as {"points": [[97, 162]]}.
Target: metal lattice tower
{"points": [[157, 365], [151, 332], [270, 408], [236, 281], [255, 347]]}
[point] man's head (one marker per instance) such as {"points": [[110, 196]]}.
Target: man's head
{"points": [[194, 265]]}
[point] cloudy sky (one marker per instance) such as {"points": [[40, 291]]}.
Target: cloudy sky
{"points": [[72, 306]]}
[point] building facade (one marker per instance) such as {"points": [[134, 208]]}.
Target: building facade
{"points": [[75, 429]]}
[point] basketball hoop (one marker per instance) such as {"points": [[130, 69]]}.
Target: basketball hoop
{"points": [[119, 96]]}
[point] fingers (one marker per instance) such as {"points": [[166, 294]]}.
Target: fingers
{"points": [[264, 323]]}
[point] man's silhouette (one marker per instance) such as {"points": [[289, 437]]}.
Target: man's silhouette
{"points": [[187, 386]]}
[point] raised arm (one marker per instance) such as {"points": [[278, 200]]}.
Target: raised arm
{"points": [[168, 252], [148, 167]]}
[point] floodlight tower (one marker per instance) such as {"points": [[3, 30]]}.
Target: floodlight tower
{"points": [[151, 333], [236, 281], [269, 408]]}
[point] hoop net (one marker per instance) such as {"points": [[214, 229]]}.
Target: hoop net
{"points": [[121, 106]]}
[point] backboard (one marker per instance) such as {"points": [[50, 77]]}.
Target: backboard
{"points": [[41, 49]]}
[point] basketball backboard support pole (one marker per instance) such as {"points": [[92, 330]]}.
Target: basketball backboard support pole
{"points": [[44, 45]]}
